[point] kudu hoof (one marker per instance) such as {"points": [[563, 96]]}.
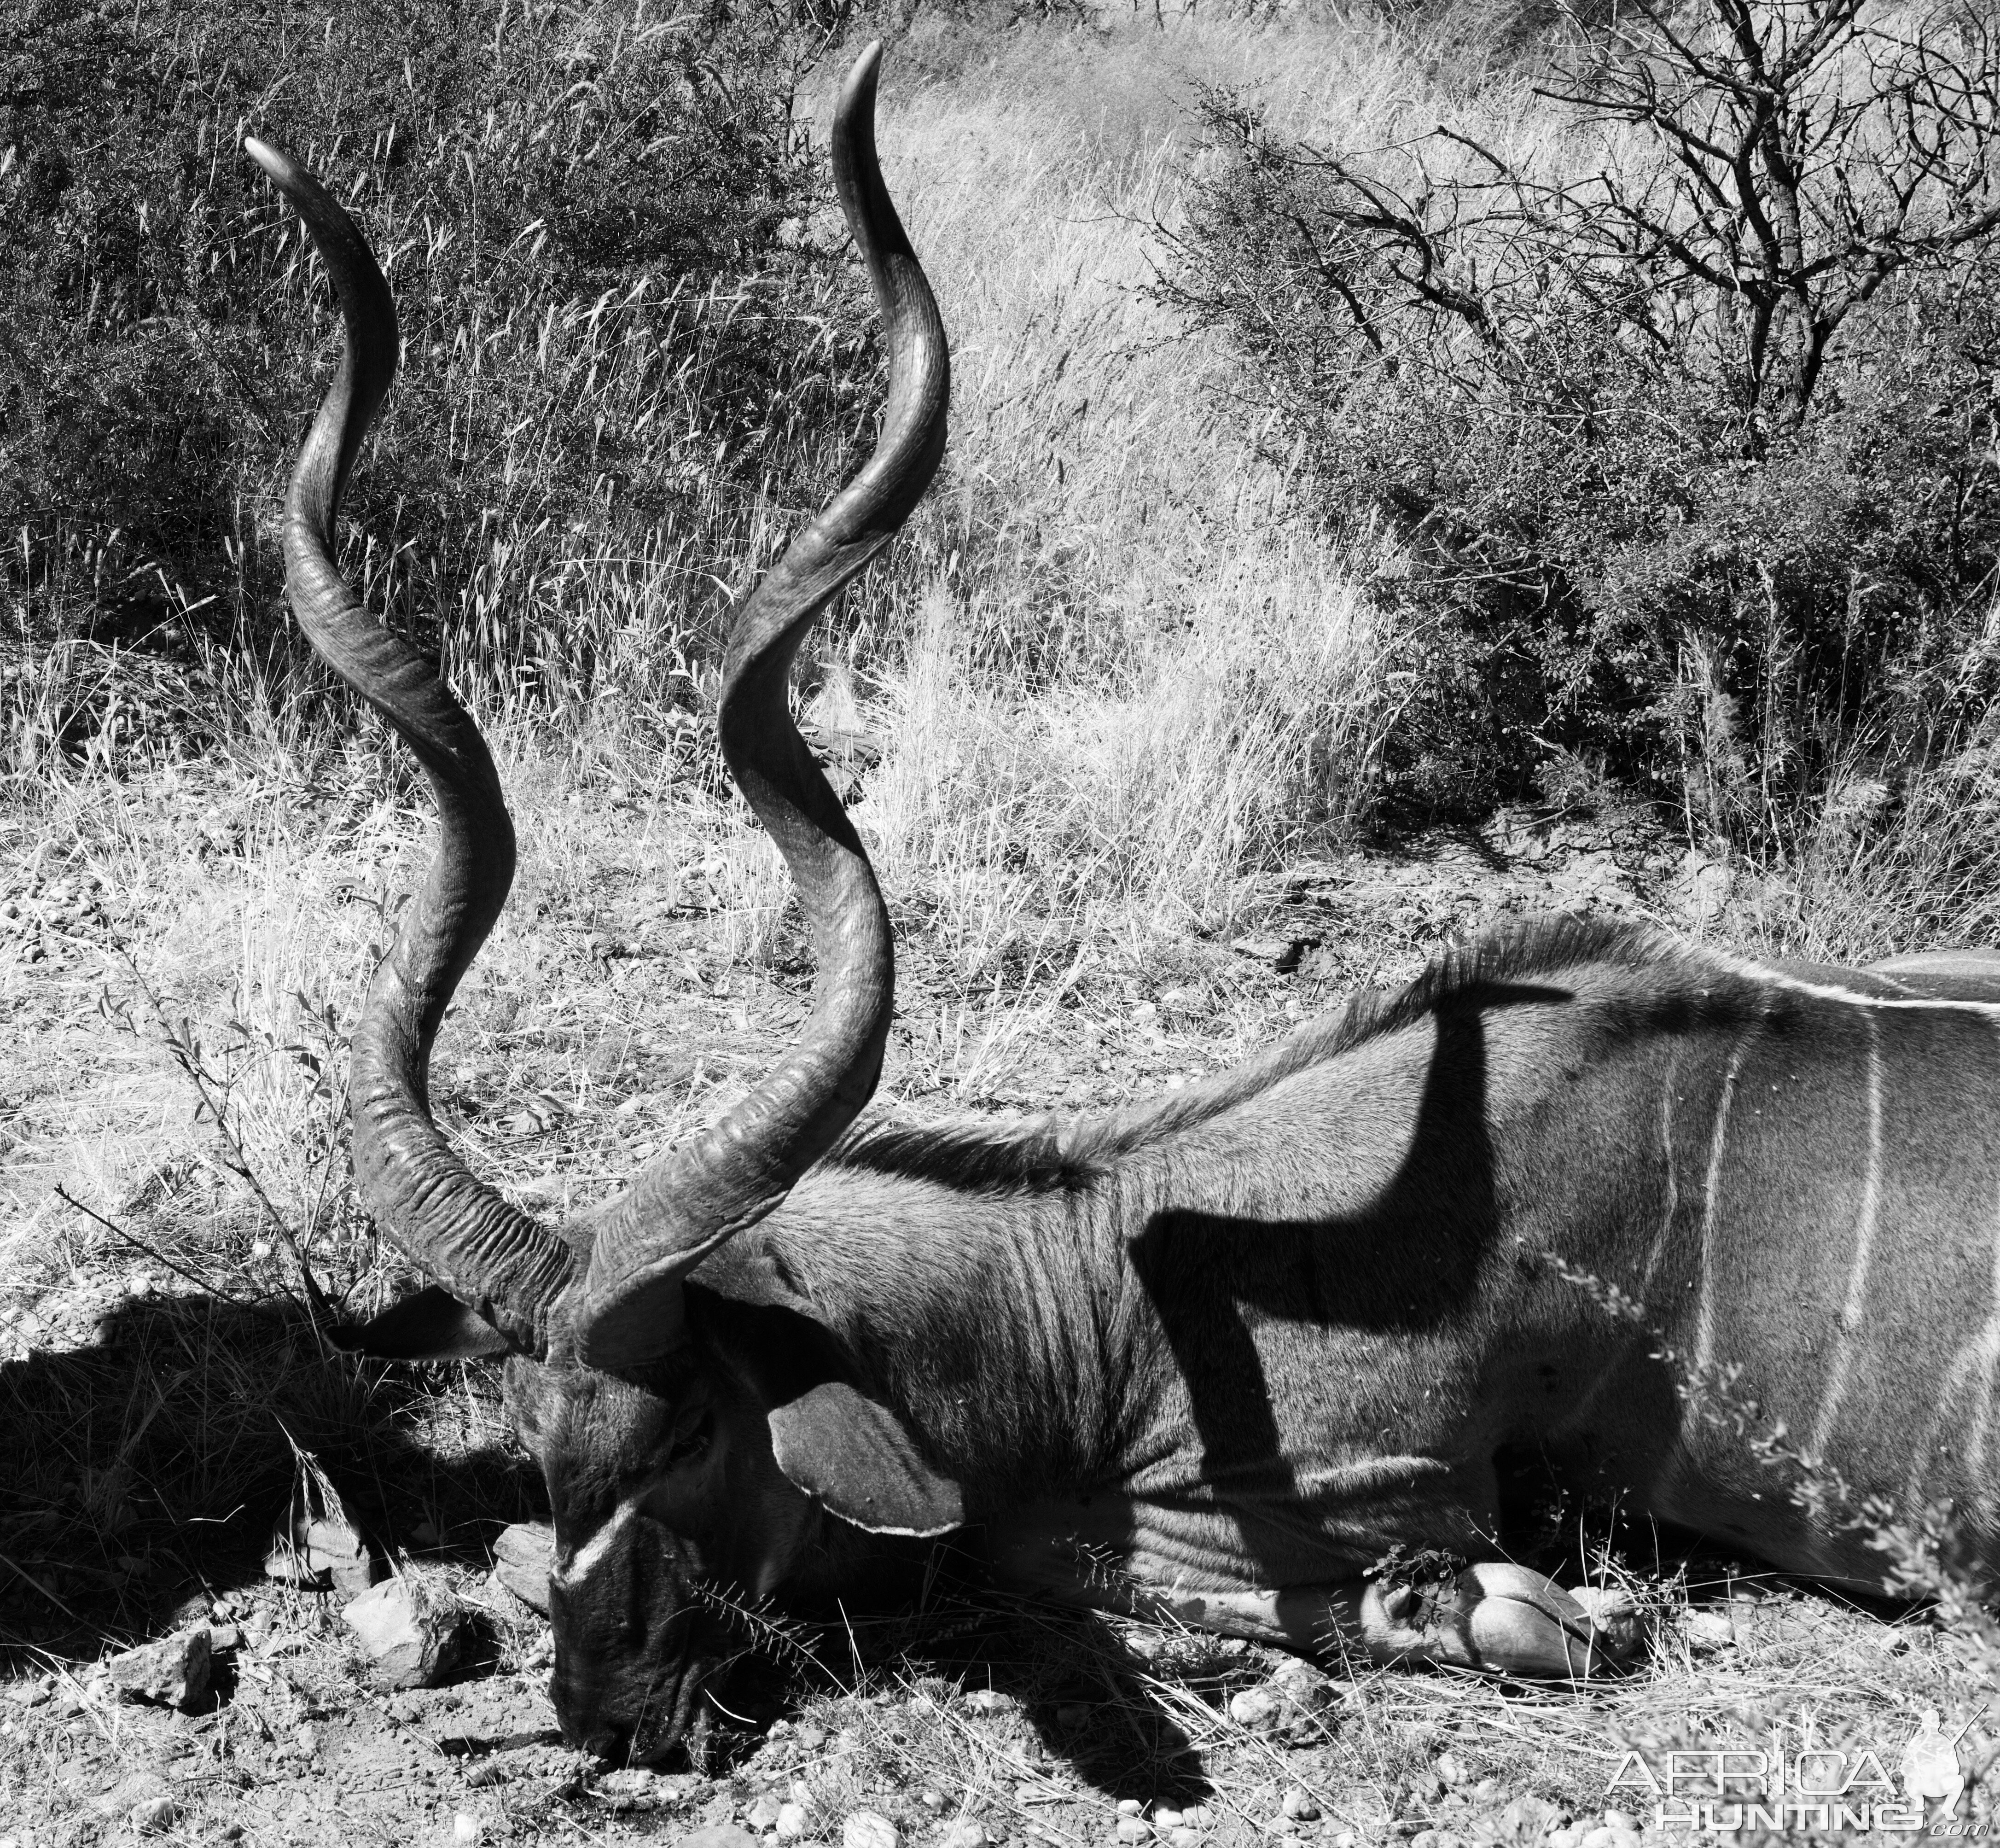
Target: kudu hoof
{"points": [[1504, 1619]]}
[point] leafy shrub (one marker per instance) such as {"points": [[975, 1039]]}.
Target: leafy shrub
{"points": [[1695, 453], [623, 326]]}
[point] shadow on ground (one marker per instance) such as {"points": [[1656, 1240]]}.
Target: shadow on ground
{"points": [[146, 1472]]}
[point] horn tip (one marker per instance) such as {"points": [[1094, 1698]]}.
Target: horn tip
{"points": [[858, 91], [275, 162]]}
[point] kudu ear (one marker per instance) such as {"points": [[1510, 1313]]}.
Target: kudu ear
{"points": [[854, 1457], [432, 1325]]}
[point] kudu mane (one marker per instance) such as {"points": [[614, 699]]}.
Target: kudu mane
{"points": [[1047, 1154]]}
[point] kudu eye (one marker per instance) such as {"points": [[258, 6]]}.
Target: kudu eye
{"points": [[690, 1440]]}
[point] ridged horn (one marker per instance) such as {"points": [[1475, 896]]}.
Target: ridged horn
{"points": [[490, 1254], [686, 1202]]}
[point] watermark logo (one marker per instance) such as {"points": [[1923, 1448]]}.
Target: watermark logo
{"points": [[1930, 1766], [1812, 1789]]}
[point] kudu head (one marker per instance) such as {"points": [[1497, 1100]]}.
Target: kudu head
{"points": [[677, 1457]]}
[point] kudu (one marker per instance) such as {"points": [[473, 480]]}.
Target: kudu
{"points": [[1217, 1353]]}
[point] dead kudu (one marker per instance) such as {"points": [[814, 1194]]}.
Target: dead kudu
{"points": [[1238, 1343]]}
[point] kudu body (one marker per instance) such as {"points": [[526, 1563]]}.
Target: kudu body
{"points": [[1219, 1353]]}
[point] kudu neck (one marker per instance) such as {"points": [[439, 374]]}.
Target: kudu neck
{"points": [[993, 1320]]}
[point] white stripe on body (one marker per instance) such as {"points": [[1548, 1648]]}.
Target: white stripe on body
{"points": [[1796, 984], [1864, 1251], [1673, 1200], [1718, 1140]]}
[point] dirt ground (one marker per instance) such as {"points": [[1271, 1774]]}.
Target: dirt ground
{"points": [[177, 955]]}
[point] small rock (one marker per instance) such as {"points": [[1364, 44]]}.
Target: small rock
{"points": [[171, 1672], [811, 1737], [1196, 1815], [791, 1822], [29, 1693], [222, 1638], [1891, 1642], [154, 1816], [1130, 1806], [486, 1773], [305, 1741], [865, 1829], [415, 1632], [719, 1834], [325, 1549], [1185, 1837], [1623, 1821], [966, 1834], [522, 1556], [1255, 1708], [1450, 1769], [763, 1815], [1165, 1816], [931, 1800], [1526, 1818], [1708, 1631], [985, 1700], [466, 1830], [633, 1784], [1134, 1828], [1298, 1805]]}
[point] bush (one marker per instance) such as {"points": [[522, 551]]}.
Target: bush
{"points": [[1695, 454], [623, 326]]}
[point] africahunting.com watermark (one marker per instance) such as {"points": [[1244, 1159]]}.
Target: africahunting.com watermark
{"points": [[1814, 1790]]}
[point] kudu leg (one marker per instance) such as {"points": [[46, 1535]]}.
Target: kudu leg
{"points": [[1499, 1618]]}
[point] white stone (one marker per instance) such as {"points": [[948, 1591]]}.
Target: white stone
{"points": [[865, 1829], [966, 1833], [763, 1815], [466, 1830], [1134, 1828], [1706, 1631], [152, 1816], [1253, 1708], [791, 1822], [1298, 1805], [985, 1700], [1621, 1820], [415, 1631], [1165, 1816], [1185, 1837], [171, 1672], [1130, 1806]]}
